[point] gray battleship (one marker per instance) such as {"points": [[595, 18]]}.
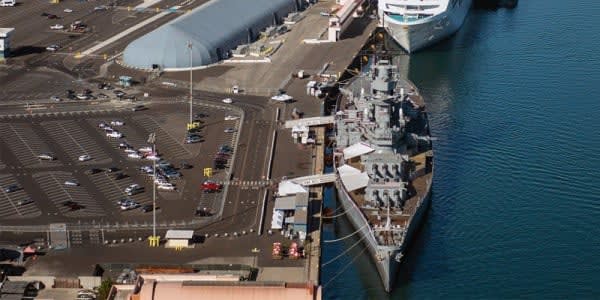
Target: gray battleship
{"points": [[384, 161]]}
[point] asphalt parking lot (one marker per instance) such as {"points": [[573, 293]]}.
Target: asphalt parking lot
{"points": [[95, 196]]}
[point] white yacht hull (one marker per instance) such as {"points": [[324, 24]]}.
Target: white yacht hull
{"points": [[416, 35]]}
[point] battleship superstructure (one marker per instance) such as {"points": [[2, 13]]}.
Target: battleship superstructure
{"points": [[416, 24], [384, 160]]}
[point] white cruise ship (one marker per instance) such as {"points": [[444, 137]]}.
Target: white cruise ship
{"points": [[416, 24]]}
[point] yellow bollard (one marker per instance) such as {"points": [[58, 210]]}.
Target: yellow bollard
{"points": [[128, 8], [157, 9], [208, 172], [105, 56]]}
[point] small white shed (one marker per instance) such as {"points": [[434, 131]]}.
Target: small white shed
{"points": [[178, 238]]}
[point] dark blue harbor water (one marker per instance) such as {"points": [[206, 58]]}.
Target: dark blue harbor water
{"points": [[514, 100]]}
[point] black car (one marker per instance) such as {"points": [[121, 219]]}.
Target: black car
{"points": [[73, 205], [147, 208], [185, 165], [120, 176], [11, 188], [112, 169], [201, 115], [94, 171], [203, 212]]}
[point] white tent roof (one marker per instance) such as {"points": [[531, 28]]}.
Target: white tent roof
{"points": [[357, 149], [179, 234], [355, 181], [285, 203], [289, 188], [347, 170]]}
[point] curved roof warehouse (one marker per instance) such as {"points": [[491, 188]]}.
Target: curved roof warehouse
{"points": [[214, 29]]}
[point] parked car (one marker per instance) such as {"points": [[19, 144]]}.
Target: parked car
{"points": [[145, 149], [112, 169], [72, 205], [68, 10], [225, 148], [114, 134], [229, 130], [210, 186], [52, 17], [119, 93], [53, 48], [227, 100], [135, 155], [132, 187], [24, 201], [46, 156], [147, 208], [82, 96], [55, 98], [72, 182], [124, 145], [102, 96], [117, 123], [93, 171], [231, 118], [138, 108], [84, 157], [135, 192], [190, 139], [100, 8], [166, 187], [120, 176], [129, 204], [152, 156], [11, 188], [56, 26]]}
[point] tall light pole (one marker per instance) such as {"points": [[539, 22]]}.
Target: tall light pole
{"points": [[152, 140], [189, 45]]}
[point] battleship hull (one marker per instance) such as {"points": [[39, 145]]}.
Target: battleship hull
{"points": [[387, 259], [417, 35]]}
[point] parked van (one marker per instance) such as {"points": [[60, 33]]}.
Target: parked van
{"points": [[8, 2]]}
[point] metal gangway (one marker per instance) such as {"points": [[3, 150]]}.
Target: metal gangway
{"points": [[314, 121], [315, 179]]}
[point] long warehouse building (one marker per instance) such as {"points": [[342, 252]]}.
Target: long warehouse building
{"points": [[214, 29]]}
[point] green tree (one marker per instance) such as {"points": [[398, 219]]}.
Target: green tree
{"points": [[104, 288]]}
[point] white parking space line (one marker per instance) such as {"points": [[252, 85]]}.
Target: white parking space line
{"points": [[114, 190], [75, 141], [27, 145], [166, 142], [9, 208], [56, 191]]}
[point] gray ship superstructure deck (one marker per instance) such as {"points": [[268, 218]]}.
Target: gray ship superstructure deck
{"points": [[384, 162]]}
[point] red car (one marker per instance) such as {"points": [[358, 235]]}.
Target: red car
{"points": [[210, 186]]}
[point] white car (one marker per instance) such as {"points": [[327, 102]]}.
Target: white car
{"points": [[57, 27], [117, 123], [152, 156], [231, 118], [145, 149], [130, 150], [132, 187], [134, 155], [68, 10], [52, 48], [229, 130], [227, 100], [84, 157], [72, 182], [82, 96], [102, 125], [55, 98], [114, 134], [166, 187]]}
